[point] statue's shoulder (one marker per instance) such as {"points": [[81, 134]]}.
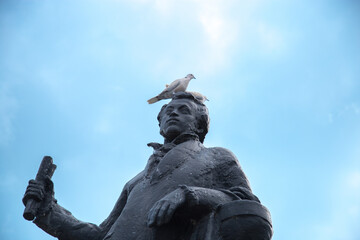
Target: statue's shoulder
{"points": [[222, 156], [223, 153], [130, 184]]}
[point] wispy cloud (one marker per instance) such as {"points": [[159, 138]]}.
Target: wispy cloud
{"points": [[351, 110], [221, 27], [354, 108], [220, 33]]}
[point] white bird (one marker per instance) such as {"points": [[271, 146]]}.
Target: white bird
{"points": [[179, 85], [199, 96]]}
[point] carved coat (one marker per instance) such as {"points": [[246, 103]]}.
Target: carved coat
{"points": [[212, 176]]}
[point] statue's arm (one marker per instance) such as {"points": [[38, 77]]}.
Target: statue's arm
{"points": [[238, 212], [60, 223], [229, 183]]}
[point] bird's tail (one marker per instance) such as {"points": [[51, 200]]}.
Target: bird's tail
{"points": [[153, 100]]}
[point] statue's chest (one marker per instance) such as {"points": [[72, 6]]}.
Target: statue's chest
{"points": [[174, 159], [183, 165]]}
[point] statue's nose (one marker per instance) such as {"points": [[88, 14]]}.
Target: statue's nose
{"points": [[174, 113]]}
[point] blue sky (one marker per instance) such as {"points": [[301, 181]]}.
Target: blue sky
{"points": [[282, 78]]}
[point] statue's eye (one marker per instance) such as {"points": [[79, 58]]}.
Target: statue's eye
{"points": [[184, 110], [169, 110]]}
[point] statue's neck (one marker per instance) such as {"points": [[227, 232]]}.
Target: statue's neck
{"points": [[182, 138]]}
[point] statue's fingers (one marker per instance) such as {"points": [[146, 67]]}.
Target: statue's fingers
{"points": [[34, 185], [161, 216], [169, 213], [153, 213], [39, 186], [32, 181], [32, 195], [35, 191]]}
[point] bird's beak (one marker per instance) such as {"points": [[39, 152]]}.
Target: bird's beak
{"points": [[194, 77]]}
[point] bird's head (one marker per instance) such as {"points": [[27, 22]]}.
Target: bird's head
{"points": [[190, 76]]}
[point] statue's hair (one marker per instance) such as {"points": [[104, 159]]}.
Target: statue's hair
{"points": [[202, 113]]}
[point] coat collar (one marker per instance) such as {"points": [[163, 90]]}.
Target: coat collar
{"points": [[164, 148]]}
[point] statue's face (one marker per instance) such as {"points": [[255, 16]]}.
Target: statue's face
{"points": [[178, 117]]}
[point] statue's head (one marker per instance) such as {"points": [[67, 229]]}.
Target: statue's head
{"points": [[184, 114]]}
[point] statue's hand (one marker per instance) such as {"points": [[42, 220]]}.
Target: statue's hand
{"points": [[164, 209], [41, 192]]}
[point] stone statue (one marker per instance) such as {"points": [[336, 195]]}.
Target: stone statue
{"points": [[185, 192]]}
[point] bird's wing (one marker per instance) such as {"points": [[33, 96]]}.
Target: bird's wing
{"points": [[171, 87], [199, 96]]}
